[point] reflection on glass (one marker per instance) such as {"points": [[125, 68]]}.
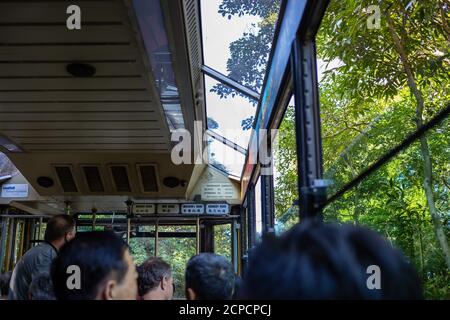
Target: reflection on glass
{"points": [[156, 43], [369, 103], [230, 117], [225, 158], [237, 38]]}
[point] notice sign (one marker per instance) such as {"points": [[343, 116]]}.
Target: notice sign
{"points": [[15, 191], [218, 191]]}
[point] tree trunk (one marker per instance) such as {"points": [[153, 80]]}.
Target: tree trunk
{"points": [[422, 263], [424, 148]]}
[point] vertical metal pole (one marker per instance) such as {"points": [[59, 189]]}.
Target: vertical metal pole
{"points": [[206, 240], [156, 237], [235, 245], [129, 204], [307, 118], [35, 230], [243, 234], [128, 229], [198, 235], [8, 243], [267, 189], [268, 205], [94, 219], [39, 229], [3, 243], [251, 217], [10, 246]]}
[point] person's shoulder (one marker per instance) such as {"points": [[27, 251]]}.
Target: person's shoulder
{"points": [[42, 249], [46, 249]]}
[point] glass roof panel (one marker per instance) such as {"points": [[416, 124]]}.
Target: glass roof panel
{"points": [[156, 43], [237, 38], [225, 158], [231, 116]]}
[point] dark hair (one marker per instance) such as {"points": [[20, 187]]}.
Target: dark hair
{"points": [[41, 287], [58, 226], [98, 255], [151, 272], [210, 276], [328, 261], [5, 278]]}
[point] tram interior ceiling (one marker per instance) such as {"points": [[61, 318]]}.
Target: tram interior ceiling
{"points": [[120, 114]]}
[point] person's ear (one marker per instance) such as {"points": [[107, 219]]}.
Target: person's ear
{"points": [[190, 294], [162, 283], [167, 282], [109, 291]]}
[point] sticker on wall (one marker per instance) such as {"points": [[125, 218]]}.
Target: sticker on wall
{"points": [[15, 191]]}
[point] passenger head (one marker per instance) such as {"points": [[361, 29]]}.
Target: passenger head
{"points": [[155, 281], [327, 261], [60, 230], [5, 279], [209, 277], [41, 287], [103, 264]]}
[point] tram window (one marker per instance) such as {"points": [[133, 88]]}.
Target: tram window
{"points": [[43, 227], [222, 240], [177, 252], [393, 203], [219, 108], [367, 104], [142, 247], [225, 158], [285, 172], [221, 30], [89, 228]]}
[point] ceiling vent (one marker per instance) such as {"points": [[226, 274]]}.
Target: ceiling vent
{"points": [[148, 177], [66, 178], [120, 178], [93, 178]]}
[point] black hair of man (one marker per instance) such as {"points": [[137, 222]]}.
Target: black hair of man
{"points": [[210, 276], [98, 255], [151, 272], [58, 226], [327, 261], [41, 287]]}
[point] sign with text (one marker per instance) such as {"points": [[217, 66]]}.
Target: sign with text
{"points": [[15, 191], [218, 191]]}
